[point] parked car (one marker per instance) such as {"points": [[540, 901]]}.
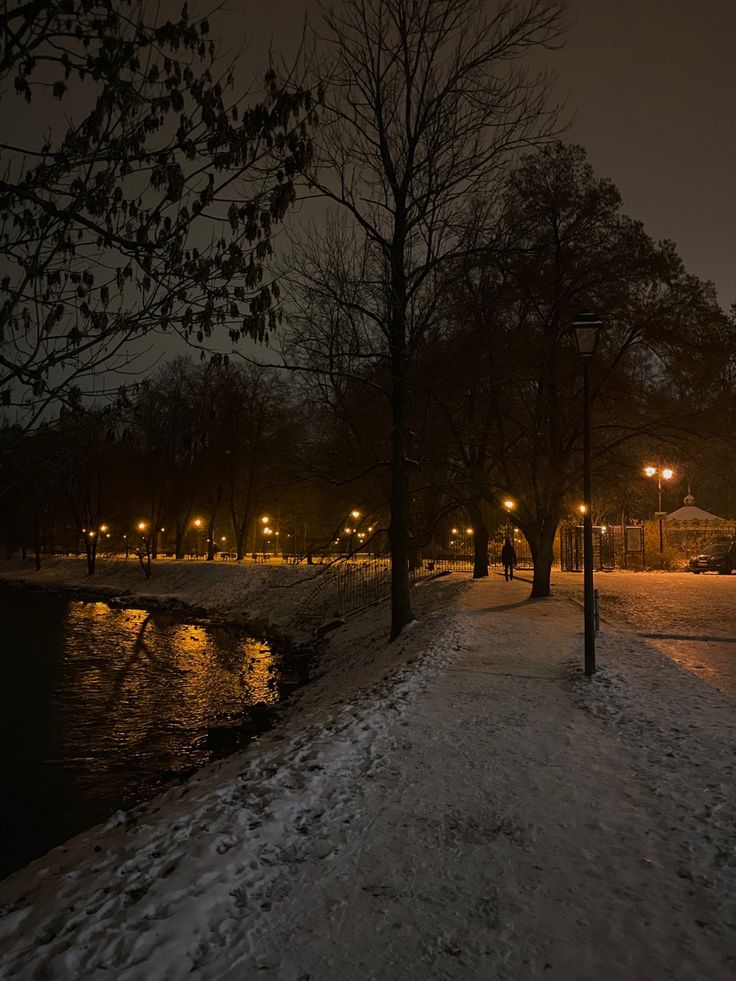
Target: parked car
{"points": [[717, 557]]}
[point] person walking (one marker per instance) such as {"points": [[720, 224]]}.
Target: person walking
{"points": [[508, 558]]}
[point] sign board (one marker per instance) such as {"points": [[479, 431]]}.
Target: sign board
{"points": [[635, 538]]}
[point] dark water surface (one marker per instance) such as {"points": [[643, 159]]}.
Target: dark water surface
{"points": [[99, 707]]}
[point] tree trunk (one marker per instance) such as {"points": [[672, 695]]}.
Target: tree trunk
{"points": [[211, 539], [398, 532], [179, 541], [91, 554], [144, 557], [541, 544], [480, 542]]}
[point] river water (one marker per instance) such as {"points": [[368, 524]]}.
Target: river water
{"points": [[100, 707]]}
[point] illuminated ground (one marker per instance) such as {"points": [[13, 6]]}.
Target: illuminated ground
{"points": [[691, 619]]}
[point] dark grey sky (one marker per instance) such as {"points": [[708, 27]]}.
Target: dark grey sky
{"points": [[653, 83], [652, 86]]}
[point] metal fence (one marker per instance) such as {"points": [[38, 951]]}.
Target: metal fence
{"points": [[348, 585], [613, 547]]}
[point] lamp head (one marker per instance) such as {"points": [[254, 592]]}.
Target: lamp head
{"points": [[586, 331]]}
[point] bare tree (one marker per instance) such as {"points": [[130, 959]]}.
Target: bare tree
{"points": [[426, 103]]}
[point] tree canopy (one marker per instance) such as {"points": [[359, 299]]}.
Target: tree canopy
{"points": [[147, 198]]}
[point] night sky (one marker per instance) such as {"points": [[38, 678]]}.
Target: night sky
{"points": [[651, 85], [650, 88]]}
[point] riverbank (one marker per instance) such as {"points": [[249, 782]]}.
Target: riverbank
{"points": [[261, 598], [461, 804]]}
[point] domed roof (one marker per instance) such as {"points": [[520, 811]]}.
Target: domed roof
{"points": [[689, 513]]}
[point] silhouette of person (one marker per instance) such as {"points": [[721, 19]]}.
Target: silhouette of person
{"points": [[508, 558]]}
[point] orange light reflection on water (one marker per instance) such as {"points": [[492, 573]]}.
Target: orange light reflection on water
{"points": [[258, 671], [143, 687]]}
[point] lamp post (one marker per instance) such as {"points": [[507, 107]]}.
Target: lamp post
{"points": [[586, 330], [350, 532], [662, 473], [509, 505], [264, 519]]}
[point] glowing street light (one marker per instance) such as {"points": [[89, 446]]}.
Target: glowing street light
{"points": [[661, 473]]}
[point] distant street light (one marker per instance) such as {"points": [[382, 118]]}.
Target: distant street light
{"points": [[586, 331], [661, 473]]}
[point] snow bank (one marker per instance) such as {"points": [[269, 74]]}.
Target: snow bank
{"points": [[265, 597]]}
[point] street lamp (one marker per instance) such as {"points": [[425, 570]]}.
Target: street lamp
{"points": [[586, 331], [198, 525], [509, 505], [662, 473]]}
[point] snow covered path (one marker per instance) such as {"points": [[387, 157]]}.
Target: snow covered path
{"points": [[526, 825], [477, 810]]}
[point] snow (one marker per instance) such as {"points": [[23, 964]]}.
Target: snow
{"points": [[692, 513], [691, 619], [264, 596], [460, 804]]}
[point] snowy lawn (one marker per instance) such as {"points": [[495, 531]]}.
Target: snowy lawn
{"points": [[462, 804], [691, 619]]}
